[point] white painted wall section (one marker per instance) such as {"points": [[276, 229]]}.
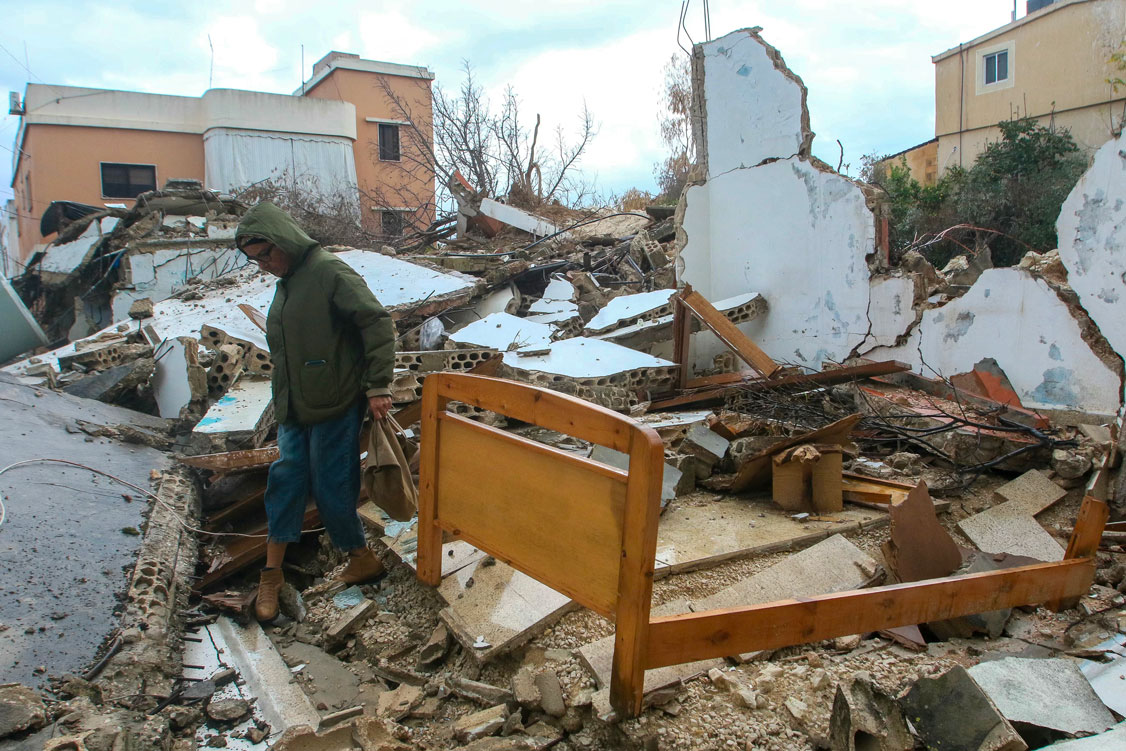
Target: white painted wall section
{"points": [[754, 110], [1092, 241], [891, 310], [796, 235], [65, 258], [1018, 320]]}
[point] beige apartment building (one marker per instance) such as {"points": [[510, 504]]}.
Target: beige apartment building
{"points": [[1051, 64], [340, 133]]}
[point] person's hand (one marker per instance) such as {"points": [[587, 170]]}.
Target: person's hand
{"points": [[380, 406]]}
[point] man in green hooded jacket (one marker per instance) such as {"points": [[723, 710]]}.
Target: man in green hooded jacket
{"points": [[333, 349]]}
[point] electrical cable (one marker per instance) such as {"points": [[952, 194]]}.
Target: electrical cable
{"points": [[183, 523]]}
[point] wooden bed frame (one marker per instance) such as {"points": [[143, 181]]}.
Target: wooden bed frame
{"points": [[590, 531]]}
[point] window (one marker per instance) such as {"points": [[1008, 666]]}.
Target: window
{"points": [[392, 223], [127, 180], [997, 67], [388, 142]]}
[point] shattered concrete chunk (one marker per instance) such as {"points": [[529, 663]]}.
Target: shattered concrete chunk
{"points": [[551, 693], [864, 718], [951, 711], [477, 725], [227, 710]]}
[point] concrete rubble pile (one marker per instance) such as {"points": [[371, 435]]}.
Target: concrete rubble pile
{"points": [[833, 418]]}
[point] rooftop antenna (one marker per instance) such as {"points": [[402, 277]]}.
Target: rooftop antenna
{"points": [[211, 73]]}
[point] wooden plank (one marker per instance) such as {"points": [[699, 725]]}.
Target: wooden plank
{"points": [[756, 470], [555, 516], [229, 461], [250, 502], [638, 543], [681, 340], [240, 552], [256, 317], [429, 535], [548, 409], [719, 386], [1084, 542], [729, 333], [871, 489], [716, 633]]}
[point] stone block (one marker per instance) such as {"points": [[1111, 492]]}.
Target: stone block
{"points": [[20, 709], [864, 718], [551, 693]]}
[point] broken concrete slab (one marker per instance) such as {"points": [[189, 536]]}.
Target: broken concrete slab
{"points": [[21, 331], [952, 711], [1108, 679], [1032, 491], [241, 415], [478, 725], [1045, 694], [1010, 528], [557, 298], [1091, 245], [82, 514], [494, 608], [158, 269], [352, 619], [504, 332], [689, 537], [628, 310], [112, 384], [581, 357], [919, 547]]}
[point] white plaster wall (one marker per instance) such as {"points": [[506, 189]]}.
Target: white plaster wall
{"points": [[797, 236], [1092, 241], [754, 112], [891, 310], [1018, 320]]}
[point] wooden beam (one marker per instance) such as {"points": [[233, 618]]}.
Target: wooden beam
{"points": [[1083, 543], [730, 631], [727, 383], [681, 339], [729, 333], [429, 555], [240, 552]]}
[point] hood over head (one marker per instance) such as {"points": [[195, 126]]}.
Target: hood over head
{"points": [[269, 222]]}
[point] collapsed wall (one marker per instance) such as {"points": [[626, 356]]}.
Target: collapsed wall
{"points": [[764, 216]]}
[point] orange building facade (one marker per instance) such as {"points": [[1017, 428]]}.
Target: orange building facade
{"points": [[99, 147]]}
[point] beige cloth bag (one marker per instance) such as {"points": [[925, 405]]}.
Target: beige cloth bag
{"points": [[388, 478]]}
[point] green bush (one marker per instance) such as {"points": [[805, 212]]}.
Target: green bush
{"points": [[1010, 197]]}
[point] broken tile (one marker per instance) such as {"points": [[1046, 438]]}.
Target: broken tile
{"points": [[1045, 693], [951, 711], [1032, 491], [1010, 528], [919, 547], [352, 619]]}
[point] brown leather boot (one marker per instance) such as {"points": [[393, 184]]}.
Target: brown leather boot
{"points": [[363, 565], [266, 604]]}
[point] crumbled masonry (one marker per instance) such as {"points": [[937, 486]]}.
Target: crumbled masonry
{"points": [[832, 419]]}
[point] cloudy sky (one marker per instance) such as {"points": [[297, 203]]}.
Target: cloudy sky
{"points": [[866, 62]]}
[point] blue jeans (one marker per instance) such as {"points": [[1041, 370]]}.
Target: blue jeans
{"points": [[324, 460]]}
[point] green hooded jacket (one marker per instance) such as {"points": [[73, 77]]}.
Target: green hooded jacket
{"points": [[329, 338]]}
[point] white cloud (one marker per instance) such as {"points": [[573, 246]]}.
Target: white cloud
{"points": [[391, 36]]}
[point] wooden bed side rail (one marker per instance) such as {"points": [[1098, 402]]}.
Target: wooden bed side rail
{"points": [[720, 633], [632, 531]]}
